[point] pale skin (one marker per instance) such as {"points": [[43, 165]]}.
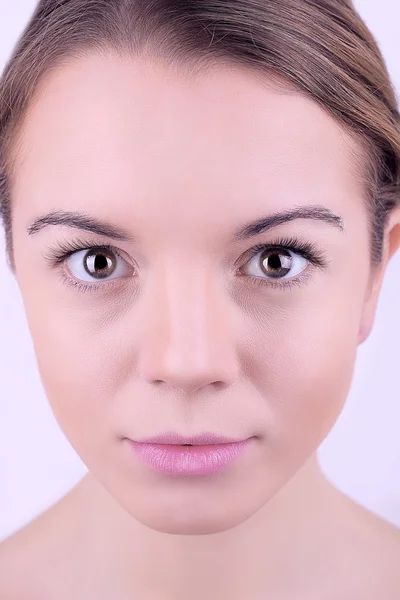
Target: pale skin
{"points": [[181, 162]]}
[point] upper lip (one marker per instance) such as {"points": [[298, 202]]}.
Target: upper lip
{"points": [[196, 440]]}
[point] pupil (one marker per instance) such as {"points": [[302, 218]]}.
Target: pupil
{"points": [[99, 264], [277, 264]]}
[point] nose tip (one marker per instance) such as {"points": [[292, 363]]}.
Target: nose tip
{"points": [[189, 385], [189, 345], [183, 367]]}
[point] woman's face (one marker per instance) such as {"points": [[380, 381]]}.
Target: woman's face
{"points": [[181, 329]]}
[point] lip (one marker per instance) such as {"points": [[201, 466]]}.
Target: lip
{"points": [[202, 458], [201, 439]]}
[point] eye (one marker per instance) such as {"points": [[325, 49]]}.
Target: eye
{"points": [[97, 264], [275, 263]]}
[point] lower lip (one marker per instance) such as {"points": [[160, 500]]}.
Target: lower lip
{"points": [[188, 460]]}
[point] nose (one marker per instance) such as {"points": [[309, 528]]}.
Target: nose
{"points": [[187, 337]]}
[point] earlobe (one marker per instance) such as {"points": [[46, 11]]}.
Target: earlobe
{"points": [[394, 240], [368, 316], [391, 245], [392, 236]]}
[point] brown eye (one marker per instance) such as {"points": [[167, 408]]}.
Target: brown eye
{"points": [[276, 263], [99, 263], [92, 264]]}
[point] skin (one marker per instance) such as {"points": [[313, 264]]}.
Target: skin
{"points": [[179, 341]]}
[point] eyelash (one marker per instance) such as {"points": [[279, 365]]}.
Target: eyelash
{"points": [[308, 250]]}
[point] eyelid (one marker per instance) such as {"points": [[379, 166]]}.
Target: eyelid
{"points": [[307, 249], [77, 260], [64, 249]]}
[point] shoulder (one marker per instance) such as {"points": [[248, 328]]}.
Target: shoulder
{"points": [[19, 560], [36, 556], [370, 554]]}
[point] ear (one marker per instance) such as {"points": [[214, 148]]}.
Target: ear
{"points": [[390, 246]]}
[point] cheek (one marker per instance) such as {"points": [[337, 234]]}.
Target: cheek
{"points": [[299, 357], [78, 367], [306, 371], [313, 396]]}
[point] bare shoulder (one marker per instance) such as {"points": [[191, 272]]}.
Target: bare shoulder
{"points": [[38, 554], [27, 556], [376, 528], [19, 559], [371, 551]]}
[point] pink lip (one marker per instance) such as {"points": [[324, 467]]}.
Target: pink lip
{"points": [[199, 459], [196, 440]]}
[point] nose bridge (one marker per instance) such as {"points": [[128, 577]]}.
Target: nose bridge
{"points": [[187, 338]]}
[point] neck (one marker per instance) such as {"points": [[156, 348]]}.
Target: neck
{"points": [[261, 554]]}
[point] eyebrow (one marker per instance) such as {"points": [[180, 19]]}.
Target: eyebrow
{"points": [[79, 220], [252, 228]]}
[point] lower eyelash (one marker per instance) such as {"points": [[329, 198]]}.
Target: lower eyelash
{"points": [[307, 250], [289, 283], [57, 256], [82, 287], [284, 283], [303, 248], [259, 281]]}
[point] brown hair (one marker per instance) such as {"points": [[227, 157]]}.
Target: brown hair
{"points": [[319, 47]]}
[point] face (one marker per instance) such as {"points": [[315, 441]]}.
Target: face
{"points": [[166, 319]]}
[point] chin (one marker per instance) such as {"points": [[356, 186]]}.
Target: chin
{"points": [[191, 520], [196, 507]]}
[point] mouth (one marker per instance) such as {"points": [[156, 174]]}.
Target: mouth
{"points": [[186, 458], [202, 439]]}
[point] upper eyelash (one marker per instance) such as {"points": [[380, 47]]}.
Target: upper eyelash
{"points": [[64, 249], [308, 250]]}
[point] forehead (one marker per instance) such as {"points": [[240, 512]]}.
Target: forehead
{"points": [[107, 127]]}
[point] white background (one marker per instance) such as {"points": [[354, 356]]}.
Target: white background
{"points": [[361, 455]]}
